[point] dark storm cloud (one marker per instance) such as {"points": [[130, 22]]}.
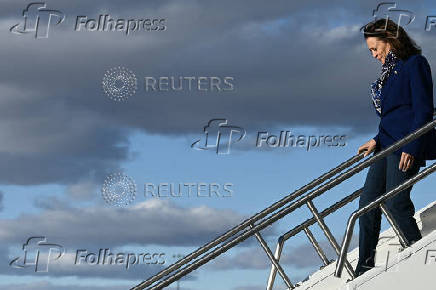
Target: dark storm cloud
{"points": [[294, 64]]}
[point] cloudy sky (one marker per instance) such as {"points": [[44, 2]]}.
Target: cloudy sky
{"points": [[297, 66]]}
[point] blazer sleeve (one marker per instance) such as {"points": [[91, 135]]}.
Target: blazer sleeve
{"points": [[421, 86], [376, 138]]}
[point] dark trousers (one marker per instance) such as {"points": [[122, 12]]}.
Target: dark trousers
{"points": [[384, 175]]}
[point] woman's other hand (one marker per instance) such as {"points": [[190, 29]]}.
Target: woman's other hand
{"points": [[368, 147], [406, 161]]}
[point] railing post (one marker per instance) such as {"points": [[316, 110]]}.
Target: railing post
{"points": [[273, 260], [277, 210], [317, 247], [403, 241], [277, 254], [235, 230], [329, 235], [351, 221]]}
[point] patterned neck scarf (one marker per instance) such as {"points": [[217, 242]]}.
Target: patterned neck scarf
{"points": [[376, 87]]}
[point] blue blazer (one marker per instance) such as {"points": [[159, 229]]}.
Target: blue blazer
{"points": [[407, 105]]}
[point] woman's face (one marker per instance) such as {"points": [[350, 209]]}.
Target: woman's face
{"points": [[378, 48]]}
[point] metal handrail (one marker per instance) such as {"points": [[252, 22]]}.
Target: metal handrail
{"points": [[249, 221], [378, 202], [304, 226], [274, 217]]}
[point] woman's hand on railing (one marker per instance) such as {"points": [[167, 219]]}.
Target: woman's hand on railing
{"points": [[406, 161], [368, 147]]}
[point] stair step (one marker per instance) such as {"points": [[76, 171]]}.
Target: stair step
{"points": [[395, 268]]}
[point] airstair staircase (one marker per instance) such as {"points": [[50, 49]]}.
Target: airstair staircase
{"points": [[413, 267], [399, 265]]}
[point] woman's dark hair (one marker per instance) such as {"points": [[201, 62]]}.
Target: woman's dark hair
{"points": [[388, 31]]}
